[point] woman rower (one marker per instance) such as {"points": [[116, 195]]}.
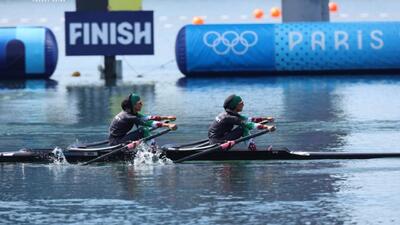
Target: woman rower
{"points": [[124, 121], [222, 129]]}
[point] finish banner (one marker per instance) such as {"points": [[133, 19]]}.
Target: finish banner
{"points": [[109, 33]]}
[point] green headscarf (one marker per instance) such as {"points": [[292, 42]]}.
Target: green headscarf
{"points": [[134, 98], [232, 101]]}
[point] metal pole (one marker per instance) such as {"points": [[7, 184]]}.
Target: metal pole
{"points": [[110, 67], [305, 10], [109, 61]]}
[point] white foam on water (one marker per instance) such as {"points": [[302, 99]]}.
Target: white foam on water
{"points": [[147, 156], [59, 157]]}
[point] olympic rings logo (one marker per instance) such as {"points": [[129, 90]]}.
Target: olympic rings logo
{"points": [[228, 41]]}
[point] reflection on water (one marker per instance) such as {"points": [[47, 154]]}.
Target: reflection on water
{"points": [[27, 84], [230, 193], [98, 104]]}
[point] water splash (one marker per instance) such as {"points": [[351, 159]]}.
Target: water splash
{"points": [[147, 155], [58, 157]]}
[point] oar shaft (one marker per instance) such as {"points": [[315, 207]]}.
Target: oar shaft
{"points": [[197, 154], [102, 142], [103, 156], [192, 143], [194, 156], [93, 144], [156, 135], [124, 147], [251, 136]]}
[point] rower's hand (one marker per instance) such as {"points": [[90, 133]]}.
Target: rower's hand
{"points": [[269, 119], [172, 126], [170, 118], [269, 128], [227, 145], [133, 144]]}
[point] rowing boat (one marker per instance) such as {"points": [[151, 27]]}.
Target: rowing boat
{"points": [[200, 150], [76, 155]]}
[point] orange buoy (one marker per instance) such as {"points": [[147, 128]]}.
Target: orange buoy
{"points": [[275, 12], [258, 13], [333, 7], [197, 20]]}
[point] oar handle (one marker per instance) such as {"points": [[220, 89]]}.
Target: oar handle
{"points": [[103, 142]]}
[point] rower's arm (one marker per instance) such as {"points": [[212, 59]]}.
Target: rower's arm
{"points": [[249, 122], [252, 125], [258, 119], [151, 123], [145, 117], [259, 126], [157, 118], [157, 124], [138, 120]]}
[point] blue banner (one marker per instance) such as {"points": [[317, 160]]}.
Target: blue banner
{"points": [[109, 33], [288, 47]]}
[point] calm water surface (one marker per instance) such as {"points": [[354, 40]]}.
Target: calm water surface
{"points": [[335, 113]]}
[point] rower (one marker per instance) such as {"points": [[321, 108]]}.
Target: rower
{"points": [[130, 115], [222, 129]]}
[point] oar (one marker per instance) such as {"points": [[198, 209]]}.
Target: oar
{"points": [[87, 145], [225, 145], [199, 143], [91, 144], [177, 147], [125, 147]]}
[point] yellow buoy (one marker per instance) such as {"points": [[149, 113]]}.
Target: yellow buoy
{"points": [[197, 20], [258, 13]]}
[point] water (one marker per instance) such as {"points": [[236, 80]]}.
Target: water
{"points": [[277, 192], [315, 114], [324, 113]]}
